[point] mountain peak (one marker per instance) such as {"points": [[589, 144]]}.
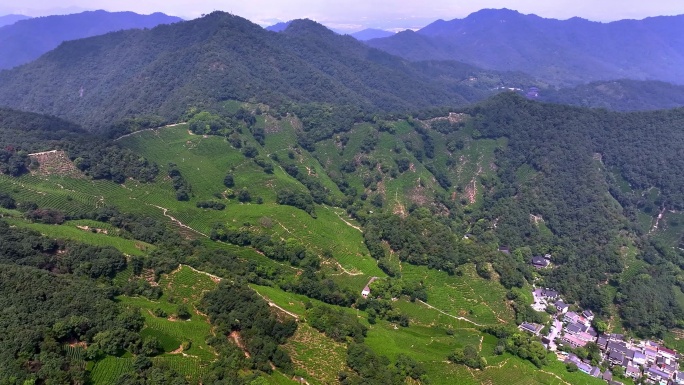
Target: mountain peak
{"points": [[494, 12], [561, 52], [278, 27], [306, 26]]}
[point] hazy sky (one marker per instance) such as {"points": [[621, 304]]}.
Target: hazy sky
{"points": [[353, 15]]}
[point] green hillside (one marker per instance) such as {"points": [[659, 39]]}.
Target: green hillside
{"points": [[235, 246]]}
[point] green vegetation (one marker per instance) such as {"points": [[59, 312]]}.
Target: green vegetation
{"points": [[234, 248], [82, 231], [324, 68]]}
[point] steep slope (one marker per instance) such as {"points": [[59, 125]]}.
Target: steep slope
{"points": [[165, 71], [11, 19], [25, 41], [371, 33], [559, 51]]}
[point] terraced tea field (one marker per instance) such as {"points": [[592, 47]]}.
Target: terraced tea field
{"points": [[467, 296]]}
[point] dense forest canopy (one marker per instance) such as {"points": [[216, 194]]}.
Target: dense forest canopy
{"points": [[572, 155], [619, 95], [24, 133]]}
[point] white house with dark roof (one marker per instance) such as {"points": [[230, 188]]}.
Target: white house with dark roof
{"points": [[365, 292], [573, 341], [574, 318], [540, 262], [657, 375], [595, 372], [549, 294], [561, 306], [668, 353], [531, 328], [607, 376], [639, 358], [616, 357], [575, 328], [602, 341], [632, 371]]}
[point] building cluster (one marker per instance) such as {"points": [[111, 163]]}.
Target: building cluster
{"points": [[638, 359]]}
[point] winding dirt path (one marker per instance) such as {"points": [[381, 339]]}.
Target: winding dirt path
{"points": [[176, 221], [344, 271], [273, 304], [449, 315], [344, 220], [658, 218], [556, 376], [148, 129], [213, 277]]}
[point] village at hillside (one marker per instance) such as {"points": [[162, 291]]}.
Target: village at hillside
{"points": [[575, 340]]}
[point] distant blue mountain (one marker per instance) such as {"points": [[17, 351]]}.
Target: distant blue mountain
{"points": [[11, 19], [558, 51], [280, 27], [26, 40], [371, 33]]}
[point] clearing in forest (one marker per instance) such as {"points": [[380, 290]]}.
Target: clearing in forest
{"points": [[55, 162]]}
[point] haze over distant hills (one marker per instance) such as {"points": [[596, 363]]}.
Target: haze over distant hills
{"points": [[371, 33], [559, 51], [26, 40], [363, 35], [11, 19]]}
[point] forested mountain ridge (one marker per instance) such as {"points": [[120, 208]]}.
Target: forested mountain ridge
{"points": [[557, 169], [26, 40], [562, 52], [619, 95], [171, 68]]}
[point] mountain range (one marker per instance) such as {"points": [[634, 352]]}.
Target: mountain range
{"points": [[321, 211], [25, 40], [561, 52], [170, 68]]}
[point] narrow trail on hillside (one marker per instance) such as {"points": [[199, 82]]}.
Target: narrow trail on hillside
{"points": [[344, 220], [148, 129], [213, 277], [449, 315], [556, 376], [344, 271], [657, 221], [273, 304], [176, 221]]}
